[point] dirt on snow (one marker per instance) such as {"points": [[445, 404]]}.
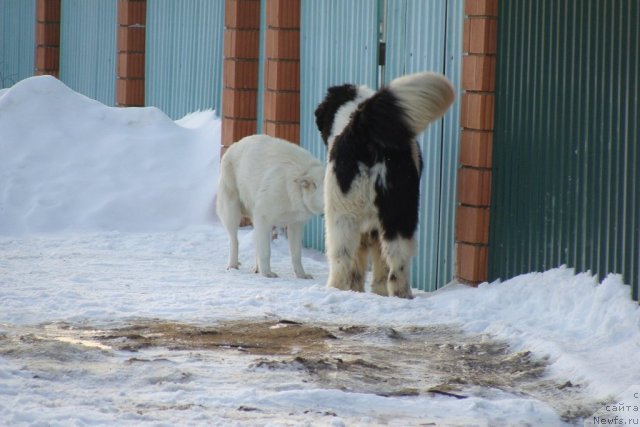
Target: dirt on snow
{"points": [[404, 361]]}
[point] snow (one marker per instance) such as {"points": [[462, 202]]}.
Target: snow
{"points": [[106, 215], [72, 163]]}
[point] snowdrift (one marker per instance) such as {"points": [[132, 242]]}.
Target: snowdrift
{"points": [[71, 163]]}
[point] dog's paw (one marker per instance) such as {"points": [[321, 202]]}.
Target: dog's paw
{"points": [[403, 293], [270, 274], [304, 276], [380, 288], [233, 266]]}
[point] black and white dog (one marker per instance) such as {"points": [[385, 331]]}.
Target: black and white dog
{"points": [[372, 181]]}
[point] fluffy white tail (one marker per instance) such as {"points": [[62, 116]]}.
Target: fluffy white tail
{"points": [[425, 97], [227, 188]]}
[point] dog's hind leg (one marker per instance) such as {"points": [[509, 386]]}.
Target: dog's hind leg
{"points": [[294, 234], [233, 249], [379, 267], [229, 212], [343, 245], [262, 235], [361, 261], [398, 253]]}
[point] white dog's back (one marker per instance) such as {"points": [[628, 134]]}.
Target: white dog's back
{"points": [[259, 158]]}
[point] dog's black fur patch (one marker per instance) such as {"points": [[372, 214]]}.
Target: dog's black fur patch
{"points": [[377, 133], [336, 97], [398, 204]]}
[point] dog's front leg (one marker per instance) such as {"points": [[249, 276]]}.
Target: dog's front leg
{"points": [[294, 233], [262, 234]]}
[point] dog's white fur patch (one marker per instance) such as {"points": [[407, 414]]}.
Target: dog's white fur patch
{"points": [[344, 113], [275, 183]]}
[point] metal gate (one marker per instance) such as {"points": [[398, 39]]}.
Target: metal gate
{"points": [[340, 43], [566, 174]]}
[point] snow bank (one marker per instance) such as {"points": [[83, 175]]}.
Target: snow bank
{"points": [[590, 331], [69, 162]]}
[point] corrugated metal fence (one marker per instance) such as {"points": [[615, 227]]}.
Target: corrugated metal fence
{"points": [[566, 180], [340, 45], [184, 42], [184, 55], [17, 40], [88, 47]]}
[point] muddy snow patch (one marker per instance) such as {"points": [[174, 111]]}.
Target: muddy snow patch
{"points": [[439, 360]]}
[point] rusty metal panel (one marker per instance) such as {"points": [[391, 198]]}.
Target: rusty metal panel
{"points": [[566, 180]]}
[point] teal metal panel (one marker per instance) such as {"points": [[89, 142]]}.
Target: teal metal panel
{"points": [[184, 43], [566, 181], [450, 145], [426, 36], [17, 40], [88, 47], [339, 42]]}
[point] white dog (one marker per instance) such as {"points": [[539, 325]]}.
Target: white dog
{"points": [[275, 183], [372, 183]]}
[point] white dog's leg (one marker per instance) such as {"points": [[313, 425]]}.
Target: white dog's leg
{"points": [[262, 234], [294, 234], [230, 216], [233, 249], [380, 268], [398, 253], [343, 242]]}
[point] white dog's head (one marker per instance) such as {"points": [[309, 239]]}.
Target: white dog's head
{"points": [[312, 185]]}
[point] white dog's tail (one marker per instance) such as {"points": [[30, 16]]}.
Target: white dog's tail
{"points": [[227, 188], [424, 97]]}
